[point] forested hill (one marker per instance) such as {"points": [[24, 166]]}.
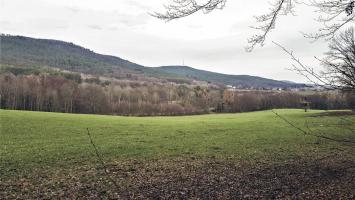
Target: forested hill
{"points": [[20, 51], [25, 51], [235, 80]]}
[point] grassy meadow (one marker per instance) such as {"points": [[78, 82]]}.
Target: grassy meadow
{"points": [[35, 141], [39, 139]]}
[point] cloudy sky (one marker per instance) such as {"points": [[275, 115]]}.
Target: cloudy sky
{"points": [[124, 28]]}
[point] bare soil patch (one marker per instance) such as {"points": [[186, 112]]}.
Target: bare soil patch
{"points": [[329, 178]]}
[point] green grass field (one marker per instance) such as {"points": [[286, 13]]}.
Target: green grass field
{"points": [[31, 140], [217, 156]]}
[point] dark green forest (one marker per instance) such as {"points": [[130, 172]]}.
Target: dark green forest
{"points": [[22, 51]]}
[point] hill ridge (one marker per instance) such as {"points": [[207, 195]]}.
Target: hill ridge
{"points": [[26, 51]]}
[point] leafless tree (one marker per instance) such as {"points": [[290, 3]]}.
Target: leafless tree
{"points": [[340, 61], [339, 64], [333, 15]]}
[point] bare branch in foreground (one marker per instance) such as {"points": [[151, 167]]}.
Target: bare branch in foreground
{"points": [[339, 64], [99, 157], [267, 22], [308, 72], [310, 133], [333, 15], [183, 8]]}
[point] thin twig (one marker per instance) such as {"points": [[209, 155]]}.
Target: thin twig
{"points": [[308, 133], [347, 120], [99, 157]]}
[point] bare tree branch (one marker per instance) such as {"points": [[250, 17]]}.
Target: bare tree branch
{"points": [[339, 64], [308, 132], [267, 22], [333, 15], [183, 8], [99, 157], [309, 72]]}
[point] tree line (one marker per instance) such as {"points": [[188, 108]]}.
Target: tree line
{"points": [[62, 93], [58, 94], [239, 101]]}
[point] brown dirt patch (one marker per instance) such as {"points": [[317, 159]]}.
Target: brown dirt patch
{"points": [[330, 178]]}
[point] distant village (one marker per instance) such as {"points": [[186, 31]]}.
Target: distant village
{"points": [[306, 87]]}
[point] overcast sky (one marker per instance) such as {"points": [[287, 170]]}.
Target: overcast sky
{"points": [[123, 28]]}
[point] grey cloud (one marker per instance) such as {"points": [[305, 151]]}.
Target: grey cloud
{"points": [[49, 23], [4, 23], [123, 21], [132, 20], [73, 9], [95, 27], [138, 4]]}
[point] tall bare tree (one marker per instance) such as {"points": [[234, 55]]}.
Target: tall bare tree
{"points": [[339, 64], [340, 61]]}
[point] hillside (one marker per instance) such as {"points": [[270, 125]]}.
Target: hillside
{"points": [[30, 52], [25, 51], [235, 80]]}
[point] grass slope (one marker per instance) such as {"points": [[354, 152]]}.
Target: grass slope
{"points": [[32, 140]]}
